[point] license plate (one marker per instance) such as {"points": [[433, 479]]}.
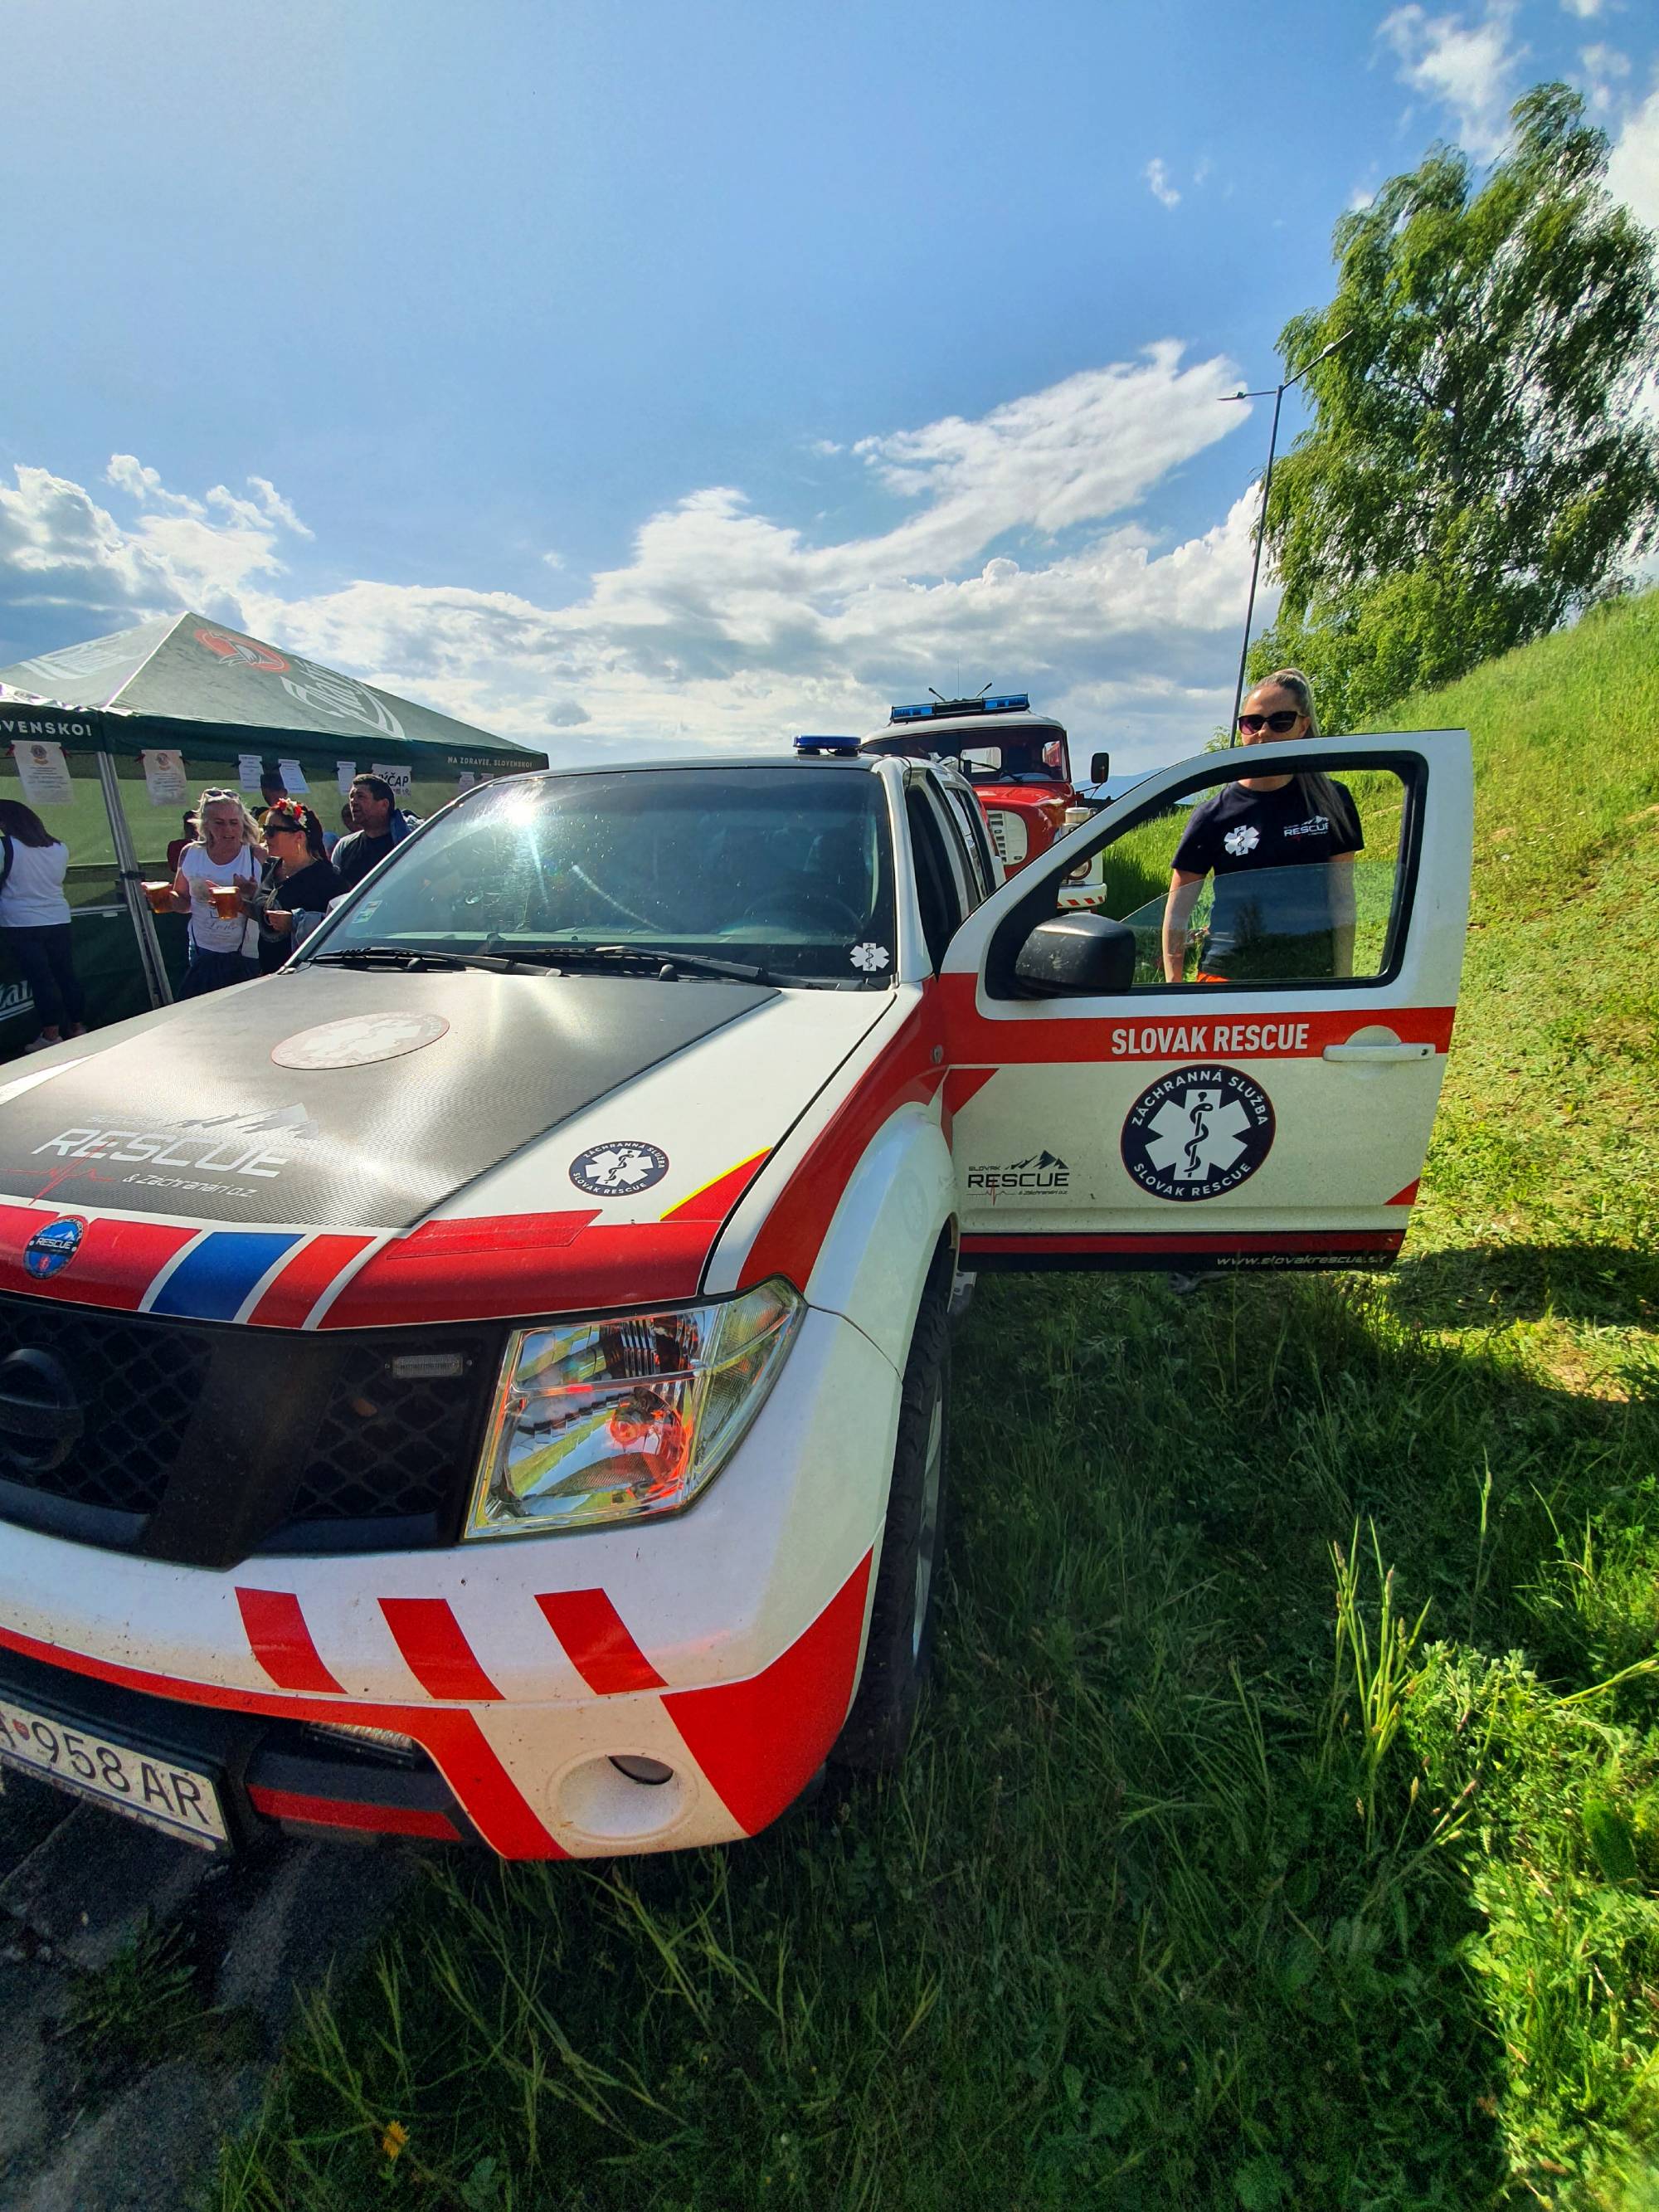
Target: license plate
{"points": [[175, 1799]]}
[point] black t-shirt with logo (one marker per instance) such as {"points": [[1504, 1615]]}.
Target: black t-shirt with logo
{"points": [[1269, 851]]}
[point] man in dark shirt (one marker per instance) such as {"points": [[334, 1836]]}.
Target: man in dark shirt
{"points": [[380, 827], [1283, 903]]}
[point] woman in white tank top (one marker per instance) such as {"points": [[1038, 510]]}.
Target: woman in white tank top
{"points": [[224, 948]]}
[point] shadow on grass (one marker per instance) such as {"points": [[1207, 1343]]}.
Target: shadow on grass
{"points": [[1610, 1285], [1137, 1926]]}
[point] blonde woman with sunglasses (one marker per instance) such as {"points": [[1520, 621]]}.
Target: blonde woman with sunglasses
{"points": [[224, 939], [1280, 848]]}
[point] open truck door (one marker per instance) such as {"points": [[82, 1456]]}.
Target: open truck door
{"points": [[1277, 1118]]}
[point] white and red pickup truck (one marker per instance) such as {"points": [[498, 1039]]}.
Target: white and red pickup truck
{"points": [[487, 1380]]}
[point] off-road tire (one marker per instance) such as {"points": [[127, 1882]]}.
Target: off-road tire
{"points": [[899, 1648]]}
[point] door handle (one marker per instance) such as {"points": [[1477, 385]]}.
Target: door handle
{"points": [[1375, 1054]]}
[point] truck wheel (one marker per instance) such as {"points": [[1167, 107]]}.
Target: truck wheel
{"points": [[900, 1645]]}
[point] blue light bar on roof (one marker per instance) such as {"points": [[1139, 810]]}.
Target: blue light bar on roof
{"points": [[839, 748], [1009, 702]]}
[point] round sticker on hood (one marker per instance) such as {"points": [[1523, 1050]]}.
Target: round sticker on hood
{"points": [[619, 1168], [53, 1246], [359, 1041]]}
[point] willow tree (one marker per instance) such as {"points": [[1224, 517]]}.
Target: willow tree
{"points": [[1477, 467]]}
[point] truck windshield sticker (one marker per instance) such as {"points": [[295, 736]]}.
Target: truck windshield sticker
{"points": [[871, 959]]}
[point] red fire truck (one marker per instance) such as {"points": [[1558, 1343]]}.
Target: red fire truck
{"points": [[1018, 764]]}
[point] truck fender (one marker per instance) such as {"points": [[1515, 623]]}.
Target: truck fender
{"points": [[873, 1265]]}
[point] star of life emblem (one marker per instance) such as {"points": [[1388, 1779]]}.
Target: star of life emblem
{"points": [[1197, 1132], [1244, 839], [619, 1168]]}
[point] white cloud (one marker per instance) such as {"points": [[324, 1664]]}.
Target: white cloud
{"points": [[1158, 181], [1604, 70], [1015, 551], [1466, 65], [1633, 168], [276, 507], [1585, 10]]}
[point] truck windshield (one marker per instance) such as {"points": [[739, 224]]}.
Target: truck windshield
{"points": [[788, 870], [1038, 757]]}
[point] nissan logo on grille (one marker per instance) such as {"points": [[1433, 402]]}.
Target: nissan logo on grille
{"points": [[40, 1417]]}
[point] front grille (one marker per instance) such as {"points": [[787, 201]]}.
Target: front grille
{"points": [[1008, 834], [205, 1445], [386, 1446], [138, 1385], [135, 1388]]}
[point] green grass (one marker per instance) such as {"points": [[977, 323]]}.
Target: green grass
{"points": [[1283, 1828]]}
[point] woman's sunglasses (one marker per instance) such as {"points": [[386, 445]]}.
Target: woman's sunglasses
{"points": [[1280, 724]]}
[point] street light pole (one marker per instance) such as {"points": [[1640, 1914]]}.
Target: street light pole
{"points": [[1277, 393]]}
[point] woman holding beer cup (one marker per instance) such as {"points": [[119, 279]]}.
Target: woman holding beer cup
{"points": [[217, 876], [298, 883]]}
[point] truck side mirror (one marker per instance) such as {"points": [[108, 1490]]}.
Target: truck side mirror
{"points": [[1100, 767], [1076, 955]]}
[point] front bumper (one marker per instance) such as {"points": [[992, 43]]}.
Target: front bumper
{"points": [[723, 1643]]}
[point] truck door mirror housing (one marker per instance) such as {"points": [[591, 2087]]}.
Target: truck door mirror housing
{"points": [[1077, 955], [1100, 767]]}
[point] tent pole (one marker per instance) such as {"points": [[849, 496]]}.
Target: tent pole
{"points": [[126, 863]]}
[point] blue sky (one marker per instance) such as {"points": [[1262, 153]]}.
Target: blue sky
{"points": [[632, 377]]}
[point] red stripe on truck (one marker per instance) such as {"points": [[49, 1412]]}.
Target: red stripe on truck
{"points": [[288, 1300], [115, 1264], [1031, 1035], [1268, 1241], [904, 1073], [439, 1656], [716, 1200], [517, 1266], [596, 1642], [457, 1744], [340, 1812], [281, 1641], [760, 1742]]}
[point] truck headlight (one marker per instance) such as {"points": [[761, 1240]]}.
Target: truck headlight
{"points": [[614, 1417]]}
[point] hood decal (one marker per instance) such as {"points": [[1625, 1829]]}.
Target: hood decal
{"points": [[194, 1115]]}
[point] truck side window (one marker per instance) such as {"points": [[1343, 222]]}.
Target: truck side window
{"points": [[1301, 884], [936, 889], [967, 820]]}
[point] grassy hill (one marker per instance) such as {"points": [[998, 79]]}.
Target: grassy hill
{"points": [[1283, 1827]]}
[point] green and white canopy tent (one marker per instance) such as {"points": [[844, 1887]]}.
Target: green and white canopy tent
{"points": [[110, 740]]}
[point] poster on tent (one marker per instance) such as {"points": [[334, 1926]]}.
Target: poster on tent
{"points": [[398, 778], [43, 772], [164, 778], [294, 778]]}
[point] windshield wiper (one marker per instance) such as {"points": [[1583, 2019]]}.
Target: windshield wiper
{"points": [[411, 958], [538, 959], [648, 956]]}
